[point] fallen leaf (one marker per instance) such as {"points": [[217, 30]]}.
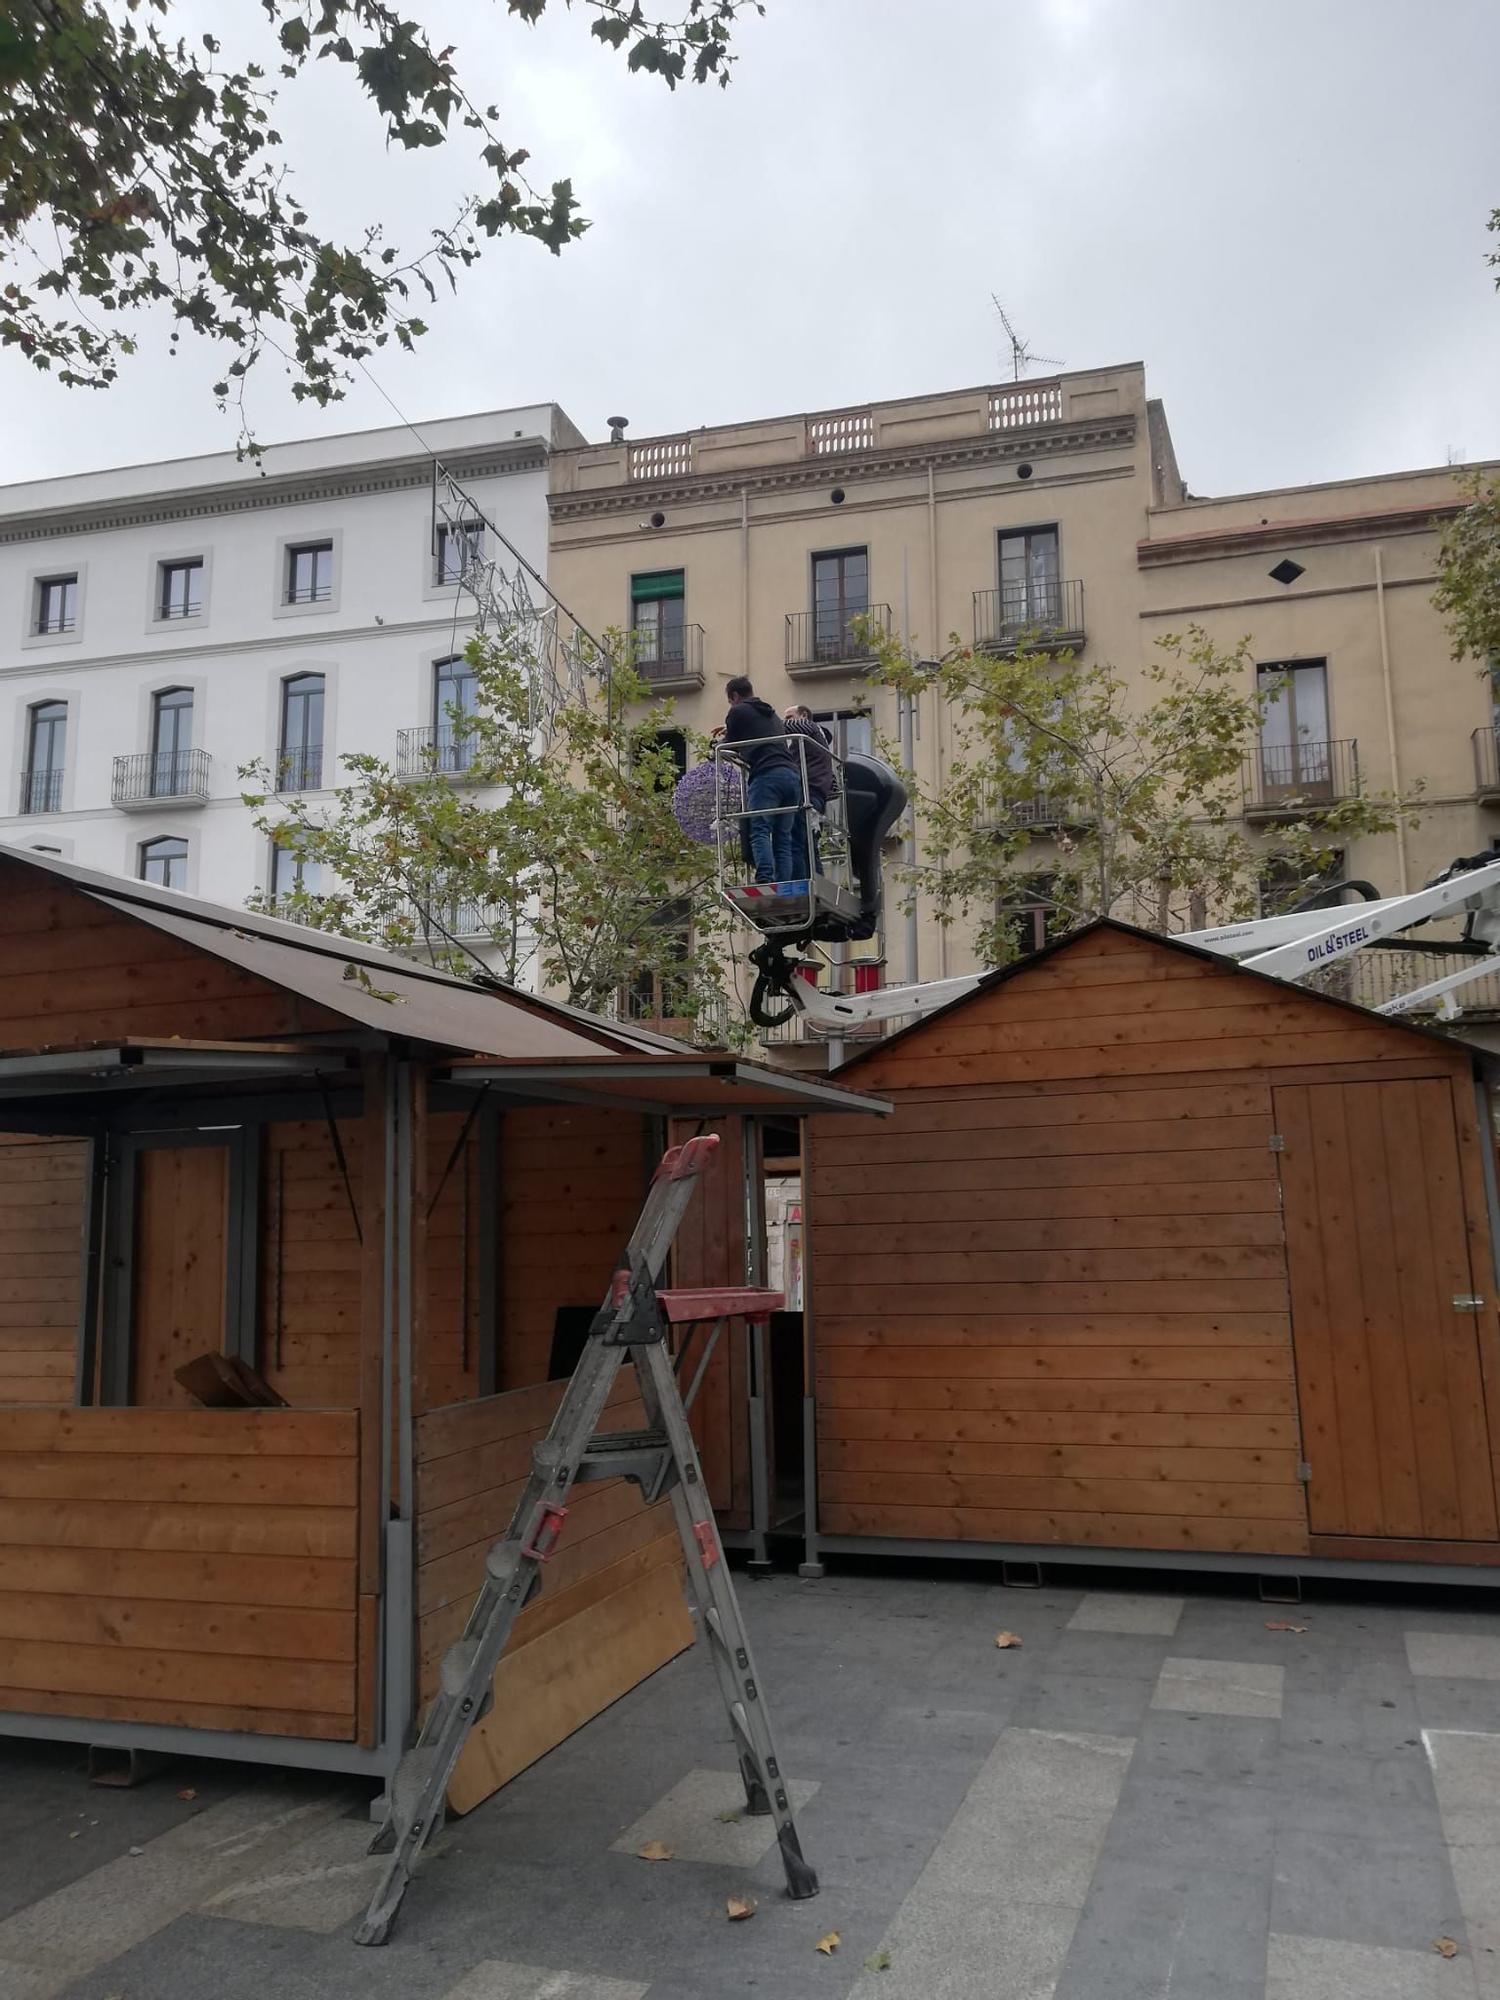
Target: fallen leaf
{"points": [[136, 1850], [654, 1850], [878, 1961], [729, 1819], [1006, 1639], [739, 1907], [1445, 1947], [1283, 1625], [828, 1945], [187, 1792]]}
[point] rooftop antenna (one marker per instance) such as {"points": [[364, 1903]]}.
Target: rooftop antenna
{"points": [[1021, 356]]}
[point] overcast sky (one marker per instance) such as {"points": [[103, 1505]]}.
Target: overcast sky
{"points": [[1278, 205]]}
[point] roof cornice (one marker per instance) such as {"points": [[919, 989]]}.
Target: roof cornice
{"points": [[985, 448], [255, 493], [1247, 540]]}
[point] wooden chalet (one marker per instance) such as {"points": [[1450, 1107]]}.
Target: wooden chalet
{"points": [[1159, 1260], [388, 1202]]}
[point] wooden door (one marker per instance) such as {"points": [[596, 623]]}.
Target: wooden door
{"points": [[180, 1266], [1388, 1367]]}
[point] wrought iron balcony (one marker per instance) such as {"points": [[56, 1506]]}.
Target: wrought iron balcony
{"points": [[1285, 780], [161, 777], [41, 791], [468, 919], [1372, 977], [439, 750], [1041, 813], [834, 638], [1486, 743], [1046, 613], [300, 769], [670, 661]]}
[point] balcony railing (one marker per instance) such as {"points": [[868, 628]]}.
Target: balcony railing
{"points": [[469, 919], [1285, 779], [1045, 613], [442, 750], [824, 641], [1487, 761], [153, 776], [670, 659], [300, 769], [1369, 978], [1041, 812], [41, 791]]}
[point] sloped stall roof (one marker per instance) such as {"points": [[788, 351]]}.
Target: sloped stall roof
{"points": [[393, 996]]}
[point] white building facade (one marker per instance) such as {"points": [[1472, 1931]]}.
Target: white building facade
{"points": [[163, 625]]}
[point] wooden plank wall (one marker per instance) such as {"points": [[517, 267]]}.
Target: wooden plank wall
{"points": [[1050, 1294], [43, 1212], [310, 1264], [612, 1608], [193, 1567], [572, 1181], [448, 1342], [72, 971]]}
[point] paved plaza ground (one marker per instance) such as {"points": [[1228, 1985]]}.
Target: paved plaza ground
{"points": [[1155, 1796]]}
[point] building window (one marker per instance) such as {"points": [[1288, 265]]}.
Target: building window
{"points": [[851, 729], [1030, 579], [309, 573], [1286, 885], [46, 752], [171, 740], [460, 548], [656, 617], [1295, 753], [164, 862], [455, 699], [841, 593], [674, 742], [300, 762], [293, 870], [180, 589], [1029, 919], [56, 604]]}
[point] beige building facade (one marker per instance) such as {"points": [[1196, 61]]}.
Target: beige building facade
{"points": [[749, 548]]}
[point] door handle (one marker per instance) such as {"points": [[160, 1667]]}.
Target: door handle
{"points": [[1467, 1302]]}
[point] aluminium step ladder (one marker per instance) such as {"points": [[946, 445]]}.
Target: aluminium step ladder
{"points": [[632, 1324]]}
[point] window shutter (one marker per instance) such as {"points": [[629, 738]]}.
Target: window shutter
{"points": [[659, 583]]}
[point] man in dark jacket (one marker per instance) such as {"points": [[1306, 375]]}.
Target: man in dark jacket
{"points": [[821, 783], [757, 735]]}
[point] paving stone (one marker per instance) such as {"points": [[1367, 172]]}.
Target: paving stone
{"points": [[1454, 1704], [1465, 1769], [1461, 1656], [1395, 1892], [1120, 1611], [495, 1979], [1315, 1968], [990, 1850], [1220, 1687], [1102, 1704], [691, 1820], [321, 1885], [946, 1946], [1072, 1773]]}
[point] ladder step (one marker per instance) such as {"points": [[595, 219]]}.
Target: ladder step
{"points": [[458, 1665]]}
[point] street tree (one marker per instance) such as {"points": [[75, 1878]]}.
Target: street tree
{"points": [[1072, 788], [1468, 590], [559, 864], [139, 168]]}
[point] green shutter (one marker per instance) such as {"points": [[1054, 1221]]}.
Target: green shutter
{"points": [[659, 583]]}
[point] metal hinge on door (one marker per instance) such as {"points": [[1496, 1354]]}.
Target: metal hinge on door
{"points": [[1467, 1302], [1304, 1470], [1278, 1144]]}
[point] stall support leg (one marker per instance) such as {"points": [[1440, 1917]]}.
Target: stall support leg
{"points": [[811, 1565]]}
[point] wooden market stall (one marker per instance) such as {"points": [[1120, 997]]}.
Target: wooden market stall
{"points": [[1162, 1260], [391, 1200]]}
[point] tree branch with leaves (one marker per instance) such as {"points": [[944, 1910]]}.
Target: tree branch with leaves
{"points": [[1104, 797], [139, 169], [563, 866]]}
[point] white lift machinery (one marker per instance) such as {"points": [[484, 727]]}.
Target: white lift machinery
{"points": [[1287, 947]]}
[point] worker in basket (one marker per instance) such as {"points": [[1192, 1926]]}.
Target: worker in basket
{"points": [[776, 825]]}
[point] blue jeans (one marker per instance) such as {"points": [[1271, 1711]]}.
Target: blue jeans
{"points": [[775, 842]]}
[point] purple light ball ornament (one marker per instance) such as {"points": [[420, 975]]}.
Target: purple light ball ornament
{"points": [[704, 795]]}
